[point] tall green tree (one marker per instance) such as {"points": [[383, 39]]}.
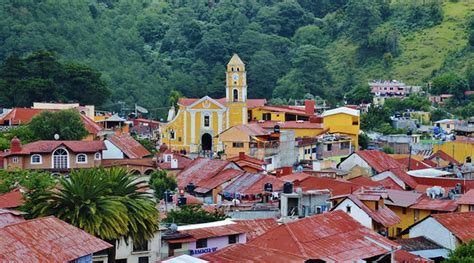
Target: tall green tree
{"points": [[67, 124], [193, 214], [109, 204], [464, 253], [161, 182]]}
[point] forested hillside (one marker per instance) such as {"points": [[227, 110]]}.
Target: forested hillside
{"points": [[145, 49]]}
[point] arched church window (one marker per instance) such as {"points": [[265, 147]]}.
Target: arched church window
{"points": [[238, 69], [232, 69], [236, 95], [172, 135]]}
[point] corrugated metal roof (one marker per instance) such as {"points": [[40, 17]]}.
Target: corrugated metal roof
{"points": [[379, 160], [12, 199], [247, 158], [384, 215], [427, 203], [251, 253], [337, 187], [406, 178], [207, 184], [414, 164], [326, 237], [443, 156], [445, 182], [8, 217], [401, 198], [460, 224], [200, 169], [417, 243], [467, 198], [129, 146], [405, 256], [250, 183], [216, 231], [46, 239], [389, 183], [365, 181], [257, 227]]}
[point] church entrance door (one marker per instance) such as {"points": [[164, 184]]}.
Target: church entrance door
{"points": [[206, 142]]}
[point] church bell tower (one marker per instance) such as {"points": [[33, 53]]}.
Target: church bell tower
{"points": [[236, 91]]}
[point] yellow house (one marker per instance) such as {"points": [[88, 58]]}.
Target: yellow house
{"points": [[343, 120], [199, 121], [237, 139], [459, 149]]}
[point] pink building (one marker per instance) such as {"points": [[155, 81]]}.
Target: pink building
{"points": [[389, 88]]}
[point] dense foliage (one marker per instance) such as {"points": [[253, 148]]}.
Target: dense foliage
{"points": [[22, 132], [66, 123], [192, 214], [41, 77], [147, 50], [160, 182], [462, 254]]}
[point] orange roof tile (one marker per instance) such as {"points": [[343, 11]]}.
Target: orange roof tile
{"points": [[46, 239], [460, 224], [129, 146], [325, 236], [12, 199]]}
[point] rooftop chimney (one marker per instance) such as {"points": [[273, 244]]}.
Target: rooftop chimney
{"points": [[309, 107], [15, 145], [241, 155]]}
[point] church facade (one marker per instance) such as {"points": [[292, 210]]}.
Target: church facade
{"points": [[198, 122]]}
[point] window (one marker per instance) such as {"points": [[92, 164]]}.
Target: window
{"points": [[143, 260], [267, 116], [233, 239], [36, 159], [81, 158], [176, 246], [206, 121], [329, 147], [97, 156], [348, 209], [376, 205], [399, 231], [236, 95], [60, 159], [314, 149], [404, 210], [447, 126], [238, 145], [172, 135], [416, 215], [471, 207], [122, 260], [140, 247], [201, 243], [168, 158], [345, 145], [269, 161], [15, 159]]}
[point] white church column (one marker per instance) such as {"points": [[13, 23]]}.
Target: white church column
{"points": [[219, 122], [193, 127]]}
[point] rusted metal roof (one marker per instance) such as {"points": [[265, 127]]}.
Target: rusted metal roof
{"points": [[379, 160], [216, 231], [405, 256], [337, 187], [333, 236], [207, 184], [384, 215], [460, 224], [414, 164], [250, 183], [445, 182], [417, 243], [426, 203], [129, 146], [8, 217], [364, 181], [46, 239], [389, 183], [244, 157], [401, 198], [406, 178], [12, 199], [251, 253], [295, 176], [443, 156], [257, 227], [467, 198]]}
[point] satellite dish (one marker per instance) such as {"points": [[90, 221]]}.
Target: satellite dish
{"points": [[56, 136]]}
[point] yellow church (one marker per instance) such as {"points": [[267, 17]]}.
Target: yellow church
{"points": [[198, 122]]}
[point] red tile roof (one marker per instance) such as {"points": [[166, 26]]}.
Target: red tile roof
{"points": [[378, 160], [146, 162], [257, 227], [50, 146], [200, 170], [19, 116], [295, 176], [207, 184], [8, 217], [406, 178], [46, 239], [443, 156], [290, 125], [414, 164], [426, 203], [460, 224], [467, 198], [248, 159], [129, 146], [325, 237], [251, 253], [384, 215], [251, 103], [12, 199]]}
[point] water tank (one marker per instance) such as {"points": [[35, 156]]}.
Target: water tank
{"points": [[268, 187], [190, 188], [287, 188], [168, 196], [458, 188], [181, 201]]}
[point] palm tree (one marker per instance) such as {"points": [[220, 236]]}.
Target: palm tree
{"points": [[107, 203]]}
